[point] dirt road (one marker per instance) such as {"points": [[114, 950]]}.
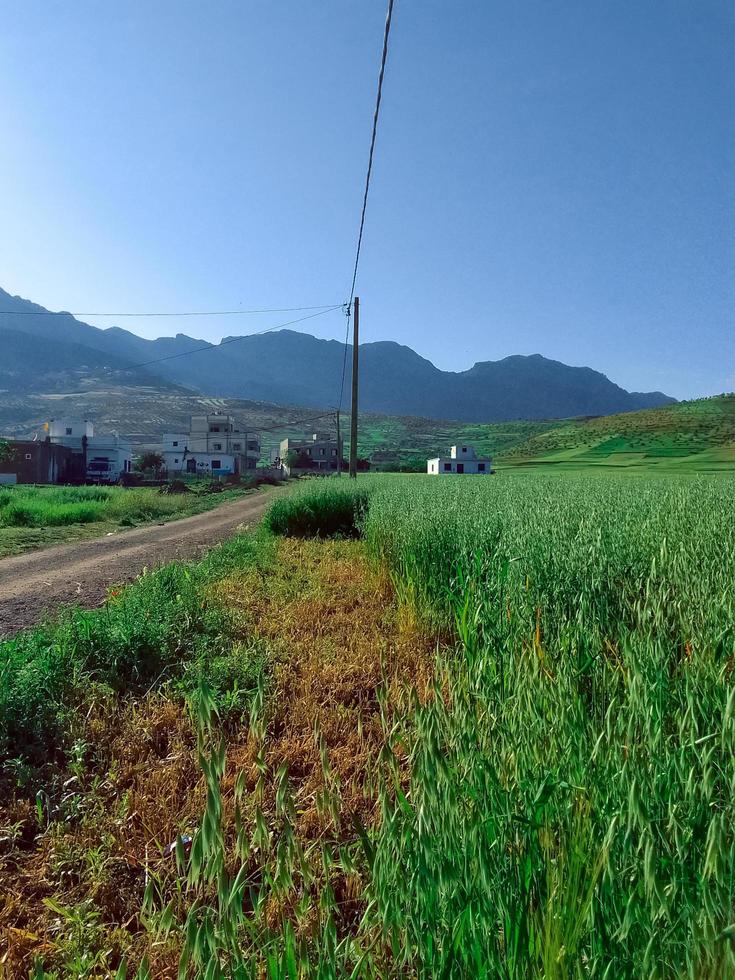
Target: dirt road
{"points": [[32, 585]]}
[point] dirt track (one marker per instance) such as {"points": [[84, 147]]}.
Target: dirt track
{"points": [[34, 584]]}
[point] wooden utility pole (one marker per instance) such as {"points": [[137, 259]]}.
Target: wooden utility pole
{"points": [[353, 417], [339, 449]]}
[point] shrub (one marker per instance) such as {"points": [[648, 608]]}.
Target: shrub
{"points": [[324, 511]]}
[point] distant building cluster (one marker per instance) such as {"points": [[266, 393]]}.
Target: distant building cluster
{"points": [[214, 446], [66, 451]]}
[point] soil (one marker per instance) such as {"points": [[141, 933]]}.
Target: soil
{"points": [[33, 585]]}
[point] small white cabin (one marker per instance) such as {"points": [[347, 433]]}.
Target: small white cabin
{"points": [[462, 459]]}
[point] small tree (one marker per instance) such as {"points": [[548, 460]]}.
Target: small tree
{"points": [[299, 460], [149, 462], [6, 450]]}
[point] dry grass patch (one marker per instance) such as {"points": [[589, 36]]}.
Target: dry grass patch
{"points": [[74, 868], [343, 653], [343, 658]]}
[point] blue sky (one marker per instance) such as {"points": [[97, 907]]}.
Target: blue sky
{"points": [[550, 177]]}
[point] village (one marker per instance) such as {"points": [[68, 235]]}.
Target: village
{"points": [[215, 447]]}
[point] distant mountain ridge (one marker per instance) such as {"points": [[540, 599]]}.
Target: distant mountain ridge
{"points": [[287, 367]]}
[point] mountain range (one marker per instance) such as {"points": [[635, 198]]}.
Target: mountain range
{"points": [[55, 352]]}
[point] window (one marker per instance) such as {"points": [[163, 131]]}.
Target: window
{"points": [[28, 456], [447, 467], [176, 461], [236, 446], [216, 464], [464, 449], [308, 452], [217, 445], [68, 430], [321, 452], [214, 428], [480, 467], [334, 452], [175, 443]]}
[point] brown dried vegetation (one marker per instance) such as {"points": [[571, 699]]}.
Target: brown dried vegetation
{"points": [[343, 657]]}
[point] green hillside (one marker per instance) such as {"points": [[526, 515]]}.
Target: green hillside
{"points": [[696, 435], [143, 414]]}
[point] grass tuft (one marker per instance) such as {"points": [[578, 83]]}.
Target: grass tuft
{"points": [[326, 510]]}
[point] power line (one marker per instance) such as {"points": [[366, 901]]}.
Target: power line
{"points": [[344, 359], [281, 309], [376, 116], [286, 425], [232, 340]]}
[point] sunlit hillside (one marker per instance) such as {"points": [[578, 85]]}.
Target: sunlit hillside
{"points": [[698, 435]]}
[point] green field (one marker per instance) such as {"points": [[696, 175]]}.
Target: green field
{"points": [[37, 516], [548, 792]]}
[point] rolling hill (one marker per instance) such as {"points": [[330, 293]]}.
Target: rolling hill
{"points": [[696, 435], [286, 367]]}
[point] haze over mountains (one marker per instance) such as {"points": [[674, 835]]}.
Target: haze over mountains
{"points": [[47, 351]]}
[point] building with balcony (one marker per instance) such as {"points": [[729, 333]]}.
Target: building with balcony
{"points": [[214, 445]]}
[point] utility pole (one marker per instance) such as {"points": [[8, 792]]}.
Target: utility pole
{"points": [[353, 417], [339, 449]]}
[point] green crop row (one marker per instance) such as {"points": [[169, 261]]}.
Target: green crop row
{"points": [[570, 810]]}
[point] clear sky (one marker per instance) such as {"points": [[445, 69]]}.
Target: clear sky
{"points": [[550, 177]]}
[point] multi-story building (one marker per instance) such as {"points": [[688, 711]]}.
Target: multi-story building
{"points": [[318, 452], [213, 446], [462, 459]]}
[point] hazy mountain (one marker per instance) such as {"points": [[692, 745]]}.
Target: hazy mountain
{"points": [[298, 369]]}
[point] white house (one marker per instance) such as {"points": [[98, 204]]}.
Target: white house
{"points": [[101, 459], [462, 459], [213, 446], [108, 457]]}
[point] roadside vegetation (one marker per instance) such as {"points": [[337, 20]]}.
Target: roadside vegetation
{"points": [[36, 516], [411, 727]]}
